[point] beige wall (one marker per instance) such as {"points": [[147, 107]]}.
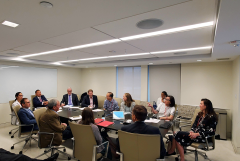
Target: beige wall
{"points": [[144, 82], [66, 77], [208, 80], [236, 106], [101, 80]]}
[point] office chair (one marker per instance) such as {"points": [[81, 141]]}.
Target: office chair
{"points": [[84, 143], [207, 146], [13, 115], [51, 148], [29, 137], [139, 147]]}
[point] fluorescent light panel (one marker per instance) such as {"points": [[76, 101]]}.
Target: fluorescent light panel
{"points": [[178, 29], [138, 54], [184, 28], [10, 24], [72, 48]]}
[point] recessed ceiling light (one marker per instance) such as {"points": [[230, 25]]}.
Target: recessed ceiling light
{"points": [[57, 63], [10, 24], [19, 59], [46, 4], [72, 48], [178, 29], [150, 63], [149, 23], [180, 50], [138, 54], [199, 60]]}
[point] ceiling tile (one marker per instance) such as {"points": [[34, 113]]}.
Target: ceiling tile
{"points": [[36, 47]]}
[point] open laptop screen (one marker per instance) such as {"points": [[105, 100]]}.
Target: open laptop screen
{"points": [[118, 115]]}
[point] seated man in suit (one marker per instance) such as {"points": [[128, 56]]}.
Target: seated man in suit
{"points": [[40, 100], [110, 104], [26, 116], [139, 114], [90, 100], [70, 98], [49, 122]]}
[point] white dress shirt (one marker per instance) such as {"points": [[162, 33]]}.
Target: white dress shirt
{"points": [[16, 103], [164, 111]]}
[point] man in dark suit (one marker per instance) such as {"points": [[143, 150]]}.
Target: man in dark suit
{"points": [[26, 116], [90, 100], [40, 100], [139, 114], [49, 122], [70, 98]]}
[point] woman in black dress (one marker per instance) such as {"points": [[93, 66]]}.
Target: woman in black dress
{"points": [[204, 125]]}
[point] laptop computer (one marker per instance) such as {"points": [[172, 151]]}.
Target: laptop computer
{"points": [[118, 115]]}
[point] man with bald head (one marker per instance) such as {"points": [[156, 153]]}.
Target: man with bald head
{"points": [[70, 98]]}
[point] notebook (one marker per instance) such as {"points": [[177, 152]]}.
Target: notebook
{"points": [[105, 123], [98, 120]]}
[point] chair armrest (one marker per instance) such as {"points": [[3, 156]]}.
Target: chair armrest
{"points": [[121, 155], [95, 149], [46, 133], [206, 140], [180, 127]]}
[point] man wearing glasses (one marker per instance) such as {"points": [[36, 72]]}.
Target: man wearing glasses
{"points": [[26, 116]]}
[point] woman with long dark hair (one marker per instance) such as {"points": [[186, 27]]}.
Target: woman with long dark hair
{"points": [[204, 125], [18, 98], [88, 119], [128, 103]]}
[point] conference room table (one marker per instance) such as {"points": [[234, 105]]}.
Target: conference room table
{"points": [[65, 115]]}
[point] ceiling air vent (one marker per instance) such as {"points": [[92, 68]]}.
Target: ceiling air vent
{"points": [[223, 59]]}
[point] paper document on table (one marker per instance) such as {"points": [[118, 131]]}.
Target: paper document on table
{"points": [[82, 108], [97, 110], [76, 117], [126, 113], [74, 107], [153, 121], [59, 110]]}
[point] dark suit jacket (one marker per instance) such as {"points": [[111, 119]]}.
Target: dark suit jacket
{"points": [[86, 101], [49, 122], [141, 128], [37, 103], [75, 101], [26, 118]]}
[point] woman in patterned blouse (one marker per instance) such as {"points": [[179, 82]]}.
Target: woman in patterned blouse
{"points": [[204, 125]]}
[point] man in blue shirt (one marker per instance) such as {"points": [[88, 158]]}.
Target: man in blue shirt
{"points": [[110, 104], [26, 116]]}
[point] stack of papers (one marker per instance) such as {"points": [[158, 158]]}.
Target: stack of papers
{"points": [[76, 117], [126, 113], [81, 108], [153, 120], [96, 110], [74, 107], [59, 110]]}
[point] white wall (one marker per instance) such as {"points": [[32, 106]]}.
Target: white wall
{"points": [[66, 77], [100, 80], [208, 80], [236, 105], [144, 83]]}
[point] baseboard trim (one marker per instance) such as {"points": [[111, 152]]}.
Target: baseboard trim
{"points": [[236, 149], [5, 124]]}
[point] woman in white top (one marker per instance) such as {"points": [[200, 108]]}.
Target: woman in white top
{"points": [[165, 111], [162, 98], [18, 98], [128, 103]]}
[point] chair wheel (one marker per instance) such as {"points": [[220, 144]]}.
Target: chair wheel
{"points": [[20, 152], [45, 151], [176, 159], [69, 158], [12, 136], [10, 132], [64, 150], [12, 147]]}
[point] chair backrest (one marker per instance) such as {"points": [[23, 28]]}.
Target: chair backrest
{"points": [[145, 104], [139, 147], [197, 110], [101, 100], [186, 111], [32, 96], [10, 104], [16, 109], [84, 141], [137, 102], [119, 101], [37, 113]]}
